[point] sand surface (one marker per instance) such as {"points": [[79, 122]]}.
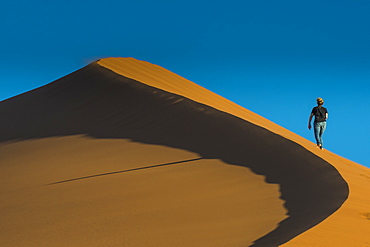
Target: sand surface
{"points": [[111, 204], [126, 153], [350, 226]]}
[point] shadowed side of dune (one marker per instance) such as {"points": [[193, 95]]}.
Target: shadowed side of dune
{"points": [[99, 103]]}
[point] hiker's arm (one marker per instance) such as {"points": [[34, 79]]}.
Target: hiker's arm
{"points": [[309, 121]]}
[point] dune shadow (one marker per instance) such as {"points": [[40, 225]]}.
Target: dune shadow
{"points": [[124, 171], [99, 103]]}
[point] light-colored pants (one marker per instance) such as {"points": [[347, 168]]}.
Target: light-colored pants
{"points": [[319, 129]]}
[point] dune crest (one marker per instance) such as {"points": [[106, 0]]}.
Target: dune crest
{"points": [[353, 229], [117, 124]]}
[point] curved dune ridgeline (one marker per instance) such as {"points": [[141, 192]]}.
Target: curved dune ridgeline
{"points": [[101, 102]]}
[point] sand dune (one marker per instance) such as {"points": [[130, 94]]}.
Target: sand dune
{"points": [[126, 153]]}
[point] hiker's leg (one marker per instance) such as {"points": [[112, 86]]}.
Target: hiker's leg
{"points": [[316, 131], [322, 130]]}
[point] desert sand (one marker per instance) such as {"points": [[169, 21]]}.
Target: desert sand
{"points": [[126, 153]]}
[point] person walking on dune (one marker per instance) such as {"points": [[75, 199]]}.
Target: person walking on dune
{"points": [[321, 115]]}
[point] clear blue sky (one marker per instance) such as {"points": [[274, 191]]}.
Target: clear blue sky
{"points": [[272, 57]]}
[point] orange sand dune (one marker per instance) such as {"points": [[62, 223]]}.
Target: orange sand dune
{"points": [[126, 153]]}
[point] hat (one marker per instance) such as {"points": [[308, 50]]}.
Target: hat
{"points": [[320, 101]]}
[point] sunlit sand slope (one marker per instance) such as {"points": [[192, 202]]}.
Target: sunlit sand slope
{"points": [[79, 191], [349, 226], [126, 153]]}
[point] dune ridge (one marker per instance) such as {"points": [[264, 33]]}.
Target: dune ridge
{"points": [[355, 232], [126, 99]]}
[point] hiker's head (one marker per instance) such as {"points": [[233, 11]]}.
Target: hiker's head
{"points": [[320, 101]]}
